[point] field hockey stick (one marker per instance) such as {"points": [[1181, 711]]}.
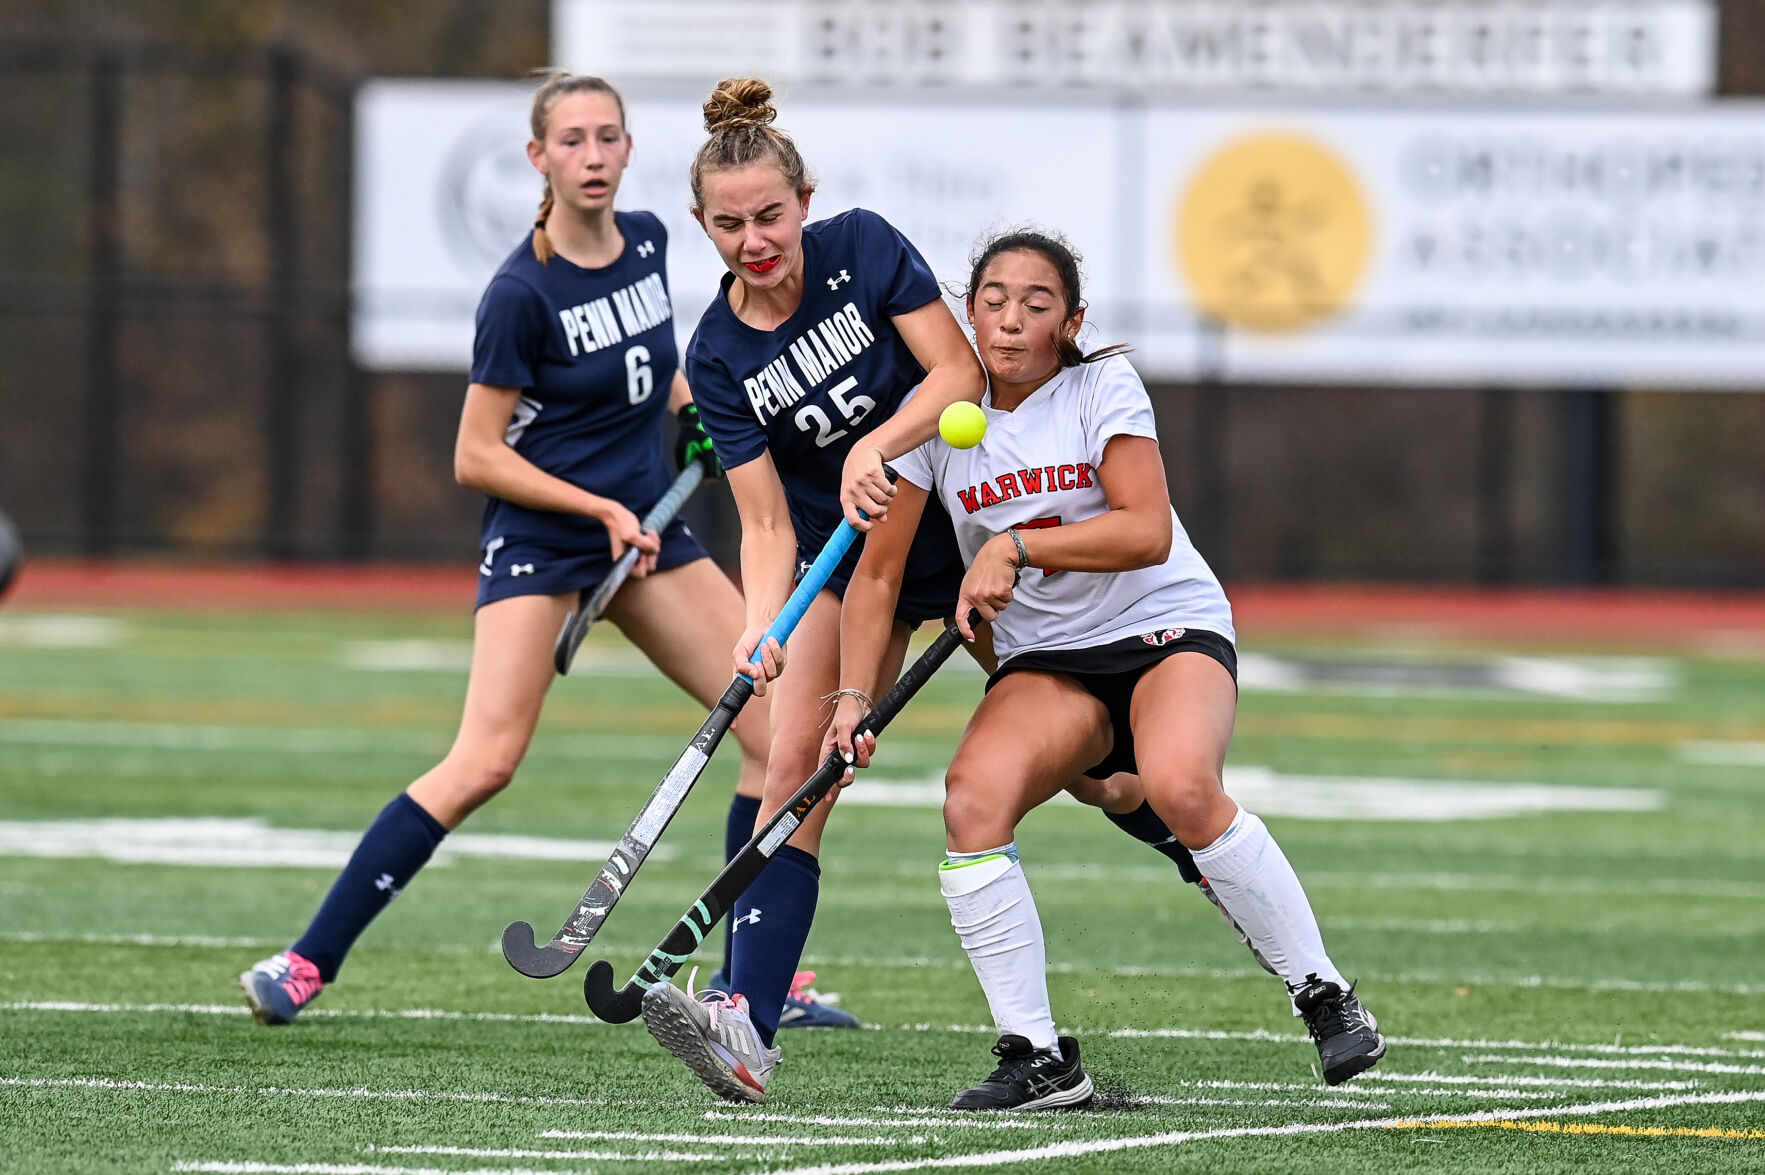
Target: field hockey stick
{"points": [[618, 1007], [590, 604], [520, 947]]}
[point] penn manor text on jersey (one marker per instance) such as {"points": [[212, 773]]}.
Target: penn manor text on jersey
{"points": [[819, 351], [640, 306]]}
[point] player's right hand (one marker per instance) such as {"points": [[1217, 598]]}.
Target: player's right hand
{"points": [[986, 586], [758, 663], [624, 530]]}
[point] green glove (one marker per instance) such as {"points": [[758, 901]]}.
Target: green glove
{"points": [[694, 444]]}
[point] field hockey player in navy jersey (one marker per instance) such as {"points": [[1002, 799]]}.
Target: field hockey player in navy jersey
{"points": [[574, 364], [1116, 654], [801, 367]]}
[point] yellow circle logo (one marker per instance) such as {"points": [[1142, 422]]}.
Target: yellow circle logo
{"points": [[1273, 234]]}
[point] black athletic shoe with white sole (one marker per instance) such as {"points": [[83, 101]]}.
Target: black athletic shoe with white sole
{"points": [[1030, 1079], [1346, 1034]]}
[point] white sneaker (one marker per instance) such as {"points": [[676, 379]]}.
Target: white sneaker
{"points": [[715, 1037]]}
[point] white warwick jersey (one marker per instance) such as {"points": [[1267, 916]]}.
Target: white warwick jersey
{"points": [[1036, 467]]}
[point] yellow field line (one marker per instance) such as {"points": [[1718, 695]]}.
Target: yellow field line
{"points": [[1589, 1128]]}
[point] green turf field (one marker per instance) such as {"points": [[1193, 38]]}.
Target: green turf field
{"points": [[1566, 953]]}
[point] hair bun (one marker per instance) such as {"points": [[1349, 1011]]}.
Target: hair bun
{"points": [[739, 102]]}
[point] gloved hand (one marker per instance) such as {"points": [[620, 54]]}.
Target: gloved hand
{"points": [[694, 444]]}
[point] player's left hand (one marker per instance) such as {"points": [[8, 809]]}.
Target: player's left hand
{"points": [[692, 443], [988, 584], [865, 485], [856, 749]]}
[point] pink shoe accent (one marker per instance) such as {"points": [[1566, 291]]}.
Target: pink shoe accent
{"points": [[302, 982], [800, 989]]}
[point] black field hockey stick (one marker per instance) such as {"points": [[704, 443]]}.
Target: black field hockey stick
{"points": [[520, 947], [618, 1007], [590, 604]]}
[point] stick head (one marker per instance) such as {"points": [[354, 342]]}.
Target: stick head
{"points": [[615, 1007], [522, 950]]}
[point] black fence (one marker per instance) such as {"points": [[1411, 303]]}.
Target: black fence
{"points": [[173, 298]]}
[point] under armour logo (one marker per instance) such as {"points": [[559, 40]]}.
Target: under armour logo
{"points": [[385, 884], [521, 569], [834, 283], [754, 917], [645, 249]]}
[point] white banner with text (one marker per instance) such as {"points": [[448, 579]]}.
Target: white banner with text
{"points": [[1256, 243]]}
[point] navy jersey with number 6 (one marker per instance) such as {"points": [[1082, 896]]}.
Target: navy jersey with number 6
{"points": [[832, 372], [593, 353]]}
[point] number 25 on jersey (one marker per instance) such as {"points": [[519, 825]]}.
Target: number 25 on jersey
{"points": [[813, 418]]}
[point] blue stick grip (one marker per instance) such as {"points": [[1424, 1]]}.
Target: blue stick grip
{"points": [[812, 582]]}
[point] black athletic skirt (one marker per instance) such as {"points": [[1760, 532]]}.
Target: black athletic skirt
{"points": [[1110, 672]]}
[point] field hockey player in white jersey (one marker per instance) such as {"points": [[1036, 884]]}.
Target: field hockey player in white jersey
{"points": [[1115, 648], [828, 350], [574, 365]]}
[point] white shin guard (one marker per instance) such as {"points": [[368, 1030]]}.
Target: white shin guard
{"points": [[1254, 881], [995, 917]]}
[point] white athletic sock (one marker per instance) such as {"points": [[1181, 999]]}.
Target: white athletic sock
{"points": [[1250, 873], [995, 917]]}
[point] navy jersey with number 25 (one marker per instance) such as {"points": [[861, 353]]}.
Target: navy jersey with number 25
{"points": [[832, 372], [593, 353]]}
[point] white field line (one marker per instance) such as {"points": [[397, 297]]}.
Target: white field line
{"points": [[1431, 1078], [1454, 979], [1468, 927], [1260, 1034], [706, 1139], [75, 735], [471, 1152], [1255, 1035], [250, 843], [1318, 797], [915, 963], [147, 940], [1442, 1085], [235, 1167], [1710, 753], [335, 1013], [1749, 1035], [900, 1119], [1446, 882], [1269, 1103], [205, 942], [1628, 1063], [1086, 1148], [57, 630], [411, 1095]]}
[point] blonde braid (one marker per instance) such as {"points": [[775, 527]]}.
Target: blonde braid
{"points": [[542, 242]]}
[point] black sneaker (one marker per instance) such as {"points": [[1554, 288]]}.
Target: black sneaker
{"points": [[1347, 1036], [1030, 1079]]}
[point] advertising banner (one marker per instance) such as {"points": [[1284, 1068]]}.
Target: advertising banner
{"points": [[1257, 242], [1630, 47]]}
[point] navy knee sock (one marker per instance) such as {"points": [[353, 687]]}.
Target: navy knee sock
{"points": [[738, 830], [771, 923], [1143, 824], [395, 846]]}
